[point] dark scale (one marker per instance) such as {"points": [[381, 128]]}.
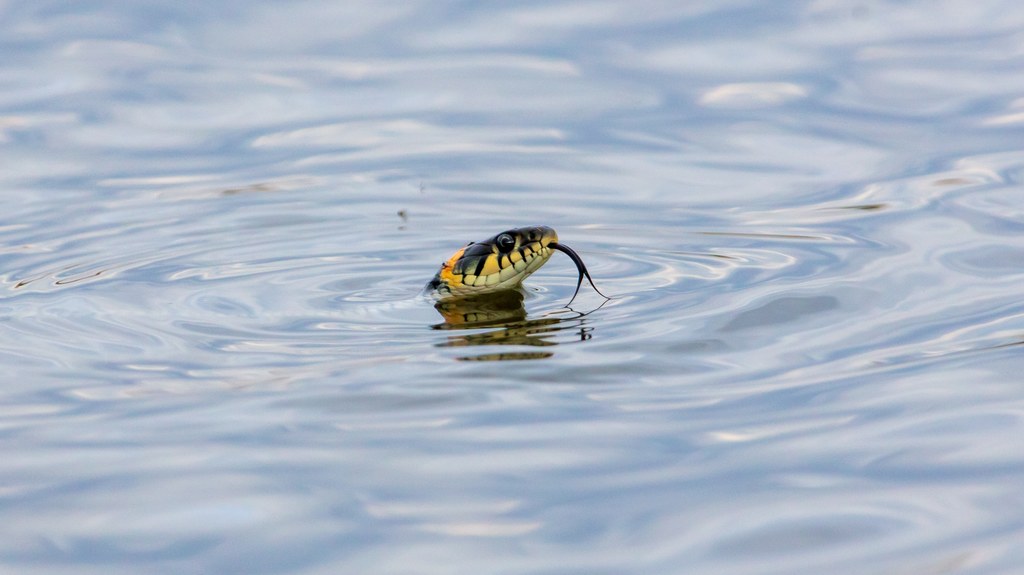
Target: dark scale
{"points": [[473, 259]]}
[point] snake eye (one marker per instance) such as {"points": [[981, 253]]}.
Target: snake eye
{"points": [[505, 242]]}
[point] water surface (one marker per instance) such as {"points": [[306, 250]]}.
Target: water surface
{"points": [[218, 219]]}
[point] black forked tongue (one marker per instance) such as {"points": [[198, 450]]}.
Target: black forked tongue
{"points": [[579, 266]]}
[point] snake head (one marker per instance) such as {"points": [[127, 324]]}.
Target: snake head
{"points": [[501, 263], [498, 263]]}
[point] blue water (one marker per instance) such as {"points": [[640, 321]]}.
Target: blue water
{"points": [[217, 220]]}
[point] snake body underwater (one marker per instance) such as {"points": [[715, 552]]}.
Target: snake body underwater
{"points": [[501, 263]]}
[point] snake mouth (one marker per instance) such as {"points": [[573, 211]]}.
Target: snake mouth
{"points": [[580, 267]]}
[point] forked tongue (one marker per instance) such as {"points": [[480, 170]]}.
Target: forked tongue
{"points": [[579, 267]]}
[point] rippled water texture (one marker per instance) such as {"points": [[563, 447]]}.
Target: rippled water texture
{"points": [[218, 218]]}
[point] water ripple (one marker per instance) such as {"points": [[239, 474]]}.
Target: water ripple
{"points": [[217, 225]]}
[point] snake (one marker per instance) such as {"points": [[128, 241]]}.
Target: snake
{"points": [[501, 263]]}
